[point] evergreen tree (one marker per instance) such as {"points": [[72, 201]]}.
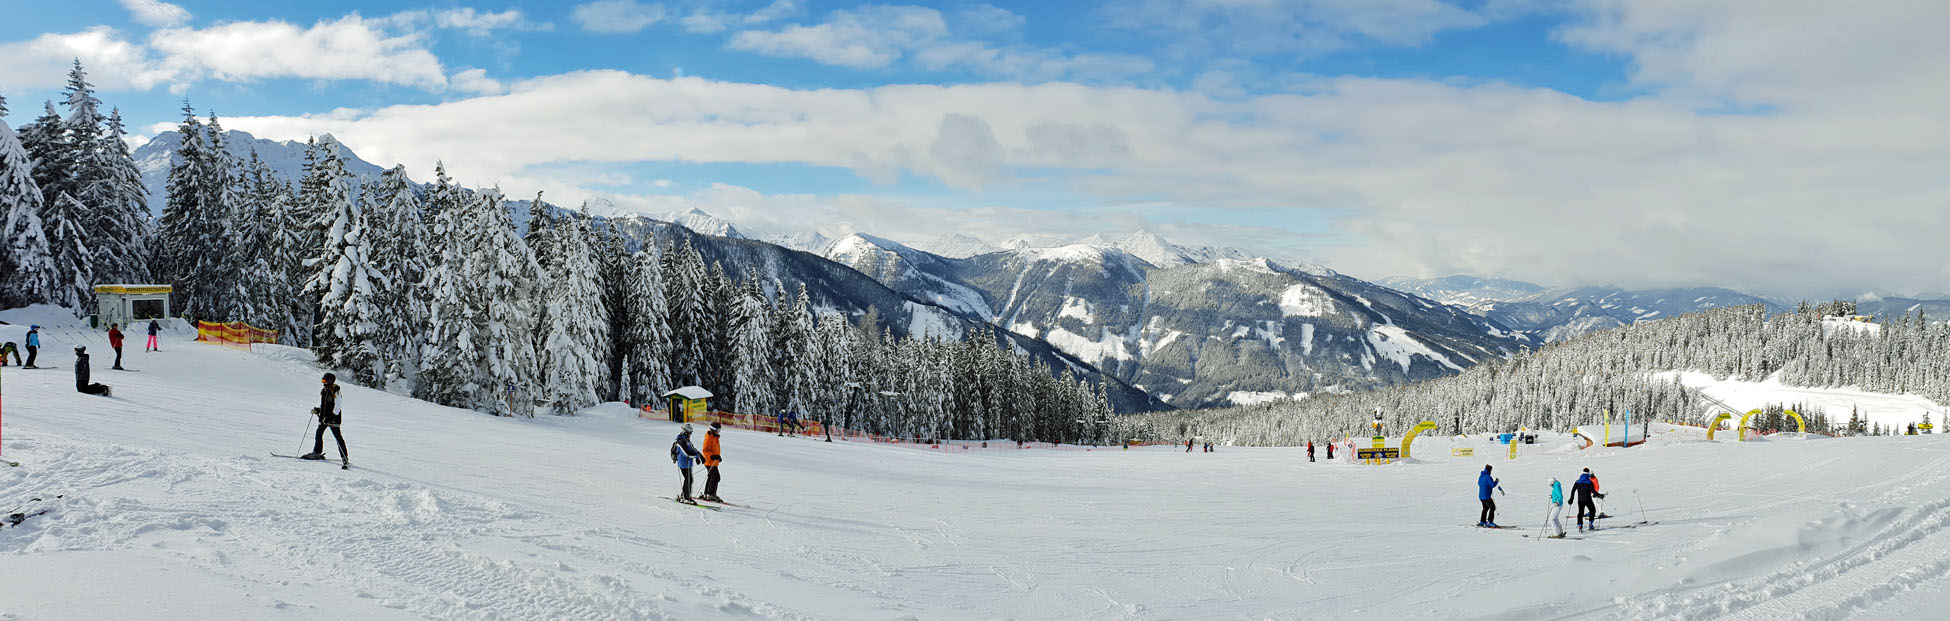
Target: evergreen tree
{"points": [[684, 285], [26, 262], [750, 333], [56, 158], [451, 355], [793, 370], [501, 276], [649, 340], [347, 287], [574, 319], [395, 216], [121, 207]]}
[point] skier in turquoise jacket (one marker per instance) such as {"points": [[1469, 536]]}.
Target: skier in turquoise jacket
{"points": [[1557, 507]]}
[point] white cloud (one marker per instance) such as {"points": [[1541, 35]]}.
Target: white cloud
{"points": [[877, 36], [706, 21], [479, 22], [618, 16], [113, 63], [475, 81], [155, 12], [865, 38], [347, 48], [1286, 27], [1421, 177]]}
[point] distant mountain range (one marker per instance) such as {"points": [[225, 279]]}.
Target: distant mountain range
{"points": [[1558, 314], [1217, 331]]}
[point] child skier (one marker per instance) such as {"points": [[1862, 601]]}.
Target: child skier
{"points": [[1484, 484], [1557, 508], [685, 455], [153, 331], [713, 455], [10, 349], [33, 346], [1310, 451]]}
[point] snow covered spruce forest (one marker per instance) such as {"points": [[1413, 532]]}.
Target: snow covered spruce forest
{"points": [[437, 293], [1572, 383]]}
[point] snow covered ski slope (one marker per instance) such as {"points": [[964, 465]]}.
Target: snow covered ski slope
{"points": [[174, 509]]}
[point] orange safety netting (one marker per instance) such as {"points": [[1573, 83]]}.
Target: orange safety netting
{"points": [[235, 335], [770, 424]]}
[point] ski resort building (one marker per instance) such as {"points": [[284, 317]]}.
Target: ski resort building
{"points": [[687, 403], [126, 304]]}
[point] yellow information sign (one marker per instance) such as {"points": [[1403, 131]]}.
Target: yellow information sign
{"points": [[1462, 452]]}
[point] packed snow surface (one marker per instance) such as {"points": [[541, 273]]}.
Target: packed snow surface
{"points": [[174, 509], [1896, 411]]}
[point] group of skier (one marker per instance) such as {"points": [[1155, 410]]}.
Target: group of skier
{"points": [[687, 456], [1585, 492]]}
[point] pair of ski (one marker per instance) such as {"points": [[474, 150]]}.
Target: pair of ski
{"points": [[303, 458], [715, 505], [1620, 527], [15, 517]]}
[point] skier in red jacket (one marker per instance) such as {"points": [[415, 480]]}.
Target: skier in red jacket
{"points": [[115, 341]]}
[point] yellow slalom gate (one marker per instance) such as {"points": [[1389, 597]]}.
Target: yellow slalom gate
{"points": [[1799, 425], [1409, 439]]}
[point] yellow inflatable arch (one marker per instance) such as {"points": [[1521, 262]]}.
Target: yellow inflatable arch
{"points": [[1714, 426], [1415, 431], [1799, 425]]}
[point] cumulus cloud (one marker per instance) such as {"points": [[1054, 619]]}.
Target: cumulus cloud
{"points": [[618, 16], [877, 36], [475, 81], [1250, 28], [1417, 176], [114, 63], [155, 12], [706, 21], [347, 48]]}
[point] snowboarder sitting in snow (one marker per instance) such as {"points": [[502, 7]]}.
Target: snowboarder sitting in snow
{"points": [[1584, 490], [685, 455], [330, 413], [1485, 483], [81, 383], [713, 456], [10, 349]]}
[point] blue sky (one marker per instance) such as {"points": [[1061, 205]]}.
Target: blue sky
{"points": [[1379, 137]]}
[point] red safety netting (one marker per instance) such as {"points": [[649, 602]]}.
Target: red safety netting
{"points": [[235, 335]]}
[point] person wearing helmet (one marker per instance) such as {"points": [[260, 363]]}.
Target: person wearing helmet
{"points": [[33, 346], [713, 456], [330, 413], [10, 349], [1584, 490], [685, 455], [81, 383]]}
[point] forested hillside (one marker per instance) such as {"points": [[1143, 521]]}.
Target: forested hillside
{"points": [[1574, 382]]}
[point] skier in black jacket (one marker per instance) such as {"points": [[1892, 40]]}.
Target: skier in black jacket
{"points": [[81, 383], [1584, 490], [330, 412]]}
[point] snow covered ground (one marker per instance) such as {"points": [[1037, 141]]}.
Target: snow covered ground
{"points": [[1897, 411], [175, 510]]}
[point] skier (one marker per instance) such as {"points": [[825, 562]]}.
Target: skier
{"points": [[1208, 447], [1557, 507], [81, 383], [781, 422], [1485, 483], [1310, 451], [330, 412], [683, 453], [153, 331], [33, 346], [712, 457], [1584, 490], [10, 349], [1188, 445], [115, 341], [1330, 451]]}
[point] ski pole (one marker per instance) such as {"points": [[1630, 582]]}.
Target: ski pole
{"points": [[301, 435], [1635, 496]]}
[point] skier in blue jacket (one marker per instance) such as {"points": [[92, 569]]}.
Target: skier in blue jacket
{"points": [[685, 455], [33, 346], [1557, 507], [1485, 483]]}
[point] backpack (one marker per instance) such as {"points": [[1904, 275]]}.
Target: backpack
{"points": [[673, 451]]}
